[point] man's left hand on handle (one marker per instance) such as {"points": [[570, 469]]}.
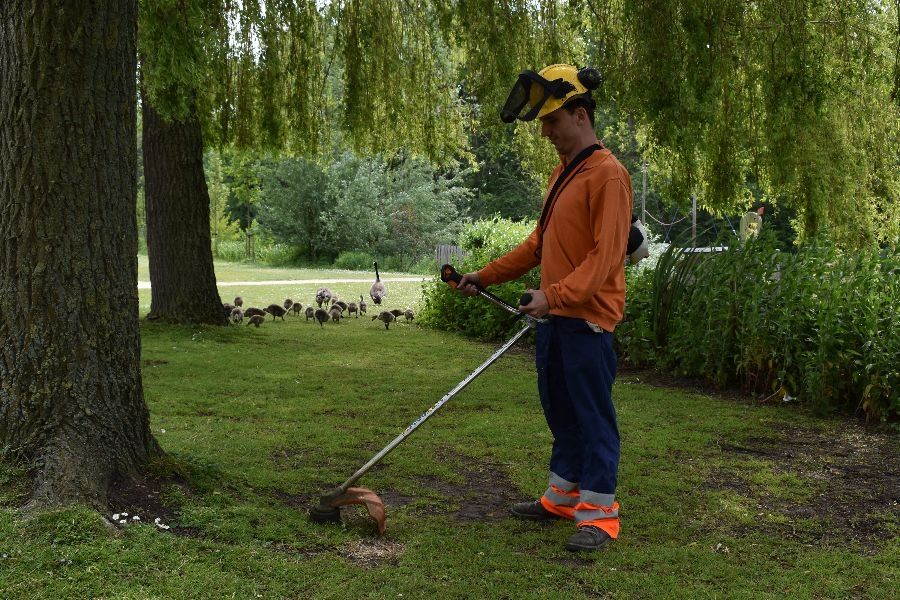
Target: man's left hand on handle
{"points": [[538, 307]]}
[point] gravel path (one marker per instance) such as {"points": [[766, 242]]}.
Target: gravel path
{"points": [[145, 285]]}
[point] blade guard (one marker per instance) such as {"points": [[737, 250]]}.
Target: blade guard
{"points": [[374, 505]]}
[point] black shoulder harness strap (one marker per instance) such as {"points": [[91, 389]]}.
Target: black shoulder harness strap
{"points": [[561, 182]]}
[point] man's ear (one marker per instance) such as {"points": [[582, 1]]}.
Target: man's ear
{"points": [[582, 114]]}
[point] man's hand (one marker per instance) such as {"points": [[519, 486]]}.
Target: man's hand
{"points": [[538, 307], [469, 283]]}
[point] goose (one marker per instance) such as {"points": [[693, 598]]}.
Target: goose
{"points": [[275, 311], [378, 291], [386, 316], [322, 316]]}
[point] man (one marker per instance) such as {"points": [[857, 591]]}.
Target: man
{"points": [[580, 243]]}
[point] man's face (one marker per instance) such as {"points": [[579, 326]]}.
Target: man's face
{"points": [[562, 128]]}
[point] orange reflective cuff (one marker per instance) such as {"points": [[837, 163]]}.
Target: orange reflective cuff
{"points": [[610, 526], [566, 512], [596, 515]]}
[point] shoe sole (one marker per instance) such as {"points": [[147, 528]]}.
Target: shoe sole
{"points": [[582, 548], [530, 517]]}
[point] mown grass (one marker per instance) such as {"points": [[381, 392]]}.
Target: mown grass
{"points": [[239, 271], [401, 294], [259, 422]]}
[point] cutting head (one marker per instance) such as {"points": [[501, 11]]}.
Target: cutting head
{"points": [[328, 509]]}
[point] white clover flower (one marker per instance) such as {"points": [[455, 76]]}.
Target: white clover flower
{"points": [[157, 520], [116, 517], [123, 521], [135, 518]]}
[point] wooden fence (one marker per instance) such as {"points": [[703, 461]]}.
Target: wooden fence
{"points": [[448, 254]]}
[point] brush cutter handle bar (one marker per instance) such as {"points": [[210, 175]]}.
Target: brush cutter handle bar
{"points": [[424, 417], [452, 277]]}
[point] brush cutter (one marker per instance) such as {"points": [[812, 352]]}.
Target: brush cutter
{"points": [[328, 509]]}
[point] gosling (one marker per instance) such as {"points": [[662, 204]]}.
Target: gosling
{"points": [[256, 320], [353, 309], [253, 311], [322, 316], [408, 313], [362, 305], [238, 301], [310, 313], [275, 311], [237, 315], [386, 316]]}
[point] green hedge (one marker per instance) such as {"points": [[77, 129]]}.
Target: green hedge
{"points": [[819, 325], [448, 310]]}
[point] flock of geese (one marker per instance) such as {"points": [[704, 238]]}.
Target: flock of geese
{"points": [[330, 308]]}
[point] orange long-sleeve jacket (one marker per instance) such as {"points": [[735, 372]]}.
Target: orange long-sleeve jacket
{"points": [[582, 254]]}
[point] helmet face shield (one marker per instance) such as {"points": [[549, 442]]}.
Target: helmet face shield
{"points": [[529, 95]]}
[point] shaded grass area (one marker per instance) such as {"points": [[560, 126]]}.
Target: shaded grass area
{"points": [[720, 498]]}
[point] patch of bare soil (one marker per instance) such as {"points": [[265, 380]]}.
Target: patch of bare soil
{"points": [[629, 374], [145, 499], [853, 474], [485, 494]]}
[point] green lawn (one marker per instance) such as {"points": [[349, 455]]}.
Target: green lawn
{"points": [[721, 498], [404, 294]]}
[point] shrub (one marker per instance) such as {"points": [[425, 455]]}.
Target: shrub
{"points": [[818, 325], [276, 255], [354, 261], [445, 309], [232, 251]]}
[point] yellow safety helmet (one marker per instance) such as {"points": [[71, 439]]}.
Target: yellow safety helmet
{"points": [[537, 94]]}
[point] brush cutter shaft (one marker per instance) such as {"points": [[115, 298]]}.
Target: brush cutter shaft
{"points": [[452, 277], [424, 417]]}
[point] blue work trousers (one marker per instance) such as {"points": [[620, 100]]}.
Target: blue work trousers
{"points": [[576, 367]]}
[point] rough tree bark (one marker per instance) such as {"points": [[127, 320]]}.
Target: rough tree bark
{"points": [[71, 399], [179, 243]]}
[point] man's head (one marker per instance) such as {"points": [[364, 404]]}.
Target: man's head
{"points": [[568, 130]]}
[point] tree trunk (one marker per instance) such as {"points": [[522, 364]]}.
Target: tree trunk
{"points": [[71, 400], [179, 245]]}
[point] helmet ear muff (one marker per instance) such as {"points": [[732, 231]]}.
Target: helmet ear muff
{"points": [[590, 78]]}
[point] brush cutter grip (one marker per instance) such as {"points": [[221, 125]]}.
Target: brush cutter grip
{"points": [[451, 276], [525, 300]]}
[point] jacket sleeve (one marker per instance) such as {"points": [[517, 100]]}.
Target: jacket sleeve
{"points": [[513, 264], [610, 213]]}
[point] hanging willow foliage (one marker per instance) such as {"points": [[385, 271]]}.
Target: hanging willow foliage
{"points": [[399, 88], [792, 94], [797, 97]]}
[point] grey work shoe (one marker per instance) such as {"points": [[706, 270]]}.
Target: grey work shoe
{"points": [[588, 538], [533, 511]]}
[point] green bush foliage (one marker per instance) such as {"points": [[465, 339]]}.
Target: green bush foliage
{"points": [[482, 242], [818, 325], [354, 261]]}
